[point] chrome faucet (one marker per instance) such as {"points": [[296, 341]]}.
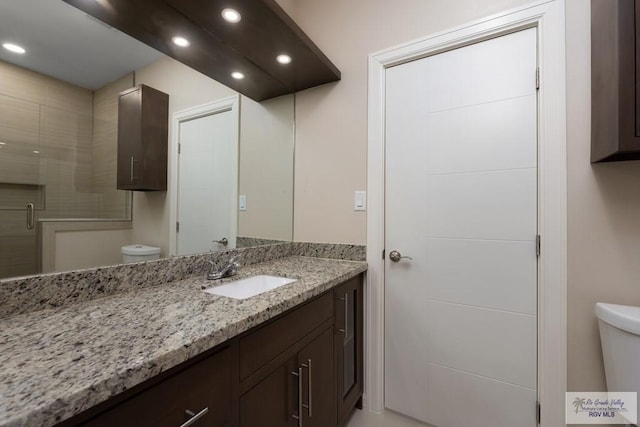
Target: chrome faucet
{"points": [[230, 268]]}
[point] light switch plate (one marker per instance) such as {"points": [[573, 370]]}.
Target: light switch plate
{"points": [[360, 201], [242, 202]]}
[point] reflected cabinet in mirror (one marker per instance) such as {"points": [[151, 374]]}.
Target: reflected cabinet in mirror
{"points": [[230, 167]]}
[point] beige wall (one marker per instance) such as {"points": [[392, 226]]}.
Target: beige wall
{"points": [[604, 218], [331, 120], [266, 168]]}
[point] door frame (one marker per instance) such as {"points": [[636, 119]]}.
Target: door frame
{"points": [[548, 16], [232, 104]]}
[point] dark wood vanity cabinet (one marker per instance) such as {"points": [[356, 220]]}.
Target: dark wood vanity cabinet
{"points": [[200, 393], [301, 368], [348, 344], [287, 373], [305, 367], [299, 391], [143, 120], [615, 80]]}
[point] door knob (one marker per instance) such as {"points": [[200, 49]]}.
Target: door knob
{"points": [[223, 241], [396, 256]]}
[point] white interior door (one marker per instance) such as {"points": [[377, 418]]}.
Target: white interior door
{"points": [[461, 200], [206, 176]]}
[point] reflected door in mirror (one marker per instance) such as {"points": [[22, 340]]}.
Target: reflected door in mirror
{"points": [[206, 205]]}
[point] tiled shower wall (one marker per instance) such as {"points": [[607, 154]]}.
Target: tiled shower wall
{"points": [[47, 156]]}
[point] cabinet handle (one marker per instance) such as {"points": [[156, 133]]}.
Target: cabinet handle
{"points": [[309, 388], [345, 300], [299, 416], [346, 315], [132, 176], [30, 216], [194, 417]]}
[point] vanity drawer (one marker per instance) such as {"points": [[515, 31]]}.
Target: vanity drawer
{"points": [[261, 346], [205, 384]]}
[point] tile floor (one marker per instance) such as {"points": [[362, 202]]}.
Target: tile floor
{"points": [[364, 418]]}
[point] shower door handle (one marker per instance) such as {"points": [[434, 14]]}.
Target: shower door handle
{"points": [[30, 216]]}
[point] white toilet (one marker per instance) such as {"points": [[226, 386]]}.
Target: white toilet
{"points": [[620, 337], [137, 253]]}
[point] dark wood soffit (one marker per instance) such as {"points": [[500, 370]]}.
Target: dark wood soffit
{"points": [[218, 47]]}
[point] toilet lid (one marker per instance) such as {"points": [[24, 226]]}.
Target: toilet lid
{"points": [[623, 317], [140, 250]]}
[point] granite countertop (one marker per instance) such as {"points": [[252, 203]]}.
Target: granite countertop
{"points": [[57, 363]]}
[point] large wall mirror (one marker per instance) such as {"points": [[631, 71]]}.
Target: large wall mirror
{"points": [[59, 207]]}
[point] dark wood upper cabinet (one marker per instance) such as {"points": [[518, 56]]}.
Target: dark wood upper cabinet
{"points": [[143, 120], [219, 48], [615, 80]]}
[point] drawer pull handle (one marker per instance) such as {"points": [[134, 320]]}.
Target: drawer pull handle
{"points": [[194, 417], [309, 407], [298, 417]]}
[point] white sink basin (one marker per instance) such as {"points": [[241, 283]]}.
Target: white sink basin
{"points": [[251, 286]]}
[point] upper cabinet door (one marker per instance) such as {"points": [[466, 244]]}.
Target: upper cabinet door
{"points": [[143, 120], [615, 80]]}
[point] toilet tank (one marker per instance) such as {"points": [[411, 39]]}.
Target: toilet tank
{"points": [[620, 337], [137, 253]]}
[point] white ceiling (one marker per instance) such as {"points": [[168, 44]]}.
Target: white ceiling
{"points": [[66, 43]]}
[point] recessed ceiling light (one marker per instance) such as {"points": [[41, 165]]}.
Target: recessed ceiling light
{"points": [[36, 152], [181, 41], [13, 48], [231, 15], [283, 58], [237, 75]]}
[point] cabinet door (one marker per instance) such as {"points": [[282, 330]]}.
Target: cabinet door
{"points": [[348, 345], [200, 393], [154, 130], [318, 382], [129, 137], [143, 114], [637, 64], [272, 402], [615, 76]]}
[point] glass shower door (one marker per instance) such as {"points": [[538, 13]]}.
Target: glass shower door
{"points": [[21, 189]]}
